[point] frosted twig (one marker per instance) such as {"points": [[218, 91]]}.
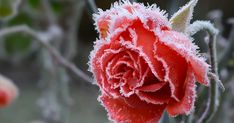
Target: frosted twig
{"points": [[213, 102], [43, 41], [91, 4], [219, 82]]}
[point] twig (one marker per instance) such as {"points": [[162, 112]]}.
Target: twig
{"points": [[91, 4], [219, 82], [213, 101], [58, 75], [43, 41], [71, 19], [69, 22], [48, 12]]}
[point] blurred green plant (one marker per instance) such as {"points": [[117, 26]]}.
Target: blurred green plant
{"points": [[8, 8]]}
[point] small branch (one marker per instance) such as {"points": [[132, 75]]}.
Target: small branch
{"points": [[219, 82], [43, 41], [213, 89], [48, 12], [213, 101]]}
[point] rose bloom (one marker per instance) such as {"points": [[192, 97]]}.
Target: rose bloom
{"points": [[8, 91], [142, 66]]}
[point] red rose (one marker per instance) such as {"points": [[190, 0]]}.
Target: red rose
{"points": [[143, 67], [8, 91]]}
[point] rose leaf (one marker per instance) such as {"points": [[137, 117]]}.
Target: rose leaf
{"points": [[181, 19]]}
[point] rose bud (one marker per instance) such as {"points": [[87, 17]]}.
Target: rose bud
{"points": [[8, 91]]}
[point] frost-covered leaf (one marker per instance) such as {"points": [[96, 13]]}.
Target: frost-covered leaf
{"points": [[8, 8], [181, 19]]}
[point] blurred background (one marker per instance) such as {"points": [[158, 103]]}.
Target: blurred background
{"points": [[50, 94]]}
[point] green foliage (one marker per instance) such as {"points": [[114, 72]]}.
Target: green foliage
{"points": [[56, 6], [231, 62], [5, 11], [21, 18], [17, 43], [7, 8], [34, 3]]}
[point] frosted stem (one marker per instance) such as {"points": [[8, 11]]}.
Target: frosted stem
{"points": [[202, 25], [213, 101]]}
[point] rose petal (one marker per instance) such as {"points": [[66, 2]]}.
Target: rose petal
{"points": [[122, 14], [145, 41], [187, 102], [142, 70], [152, 87], [124, 88], [97, 64], [122, 112], [200, 68], [184, 46], [175, 66], [161, 96], [126, 91]]}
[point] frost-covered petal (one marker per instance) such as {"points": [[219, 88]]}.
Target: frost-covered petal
{"points": [[175, 66], [122, 14], [160, 96], [201, 69], [131, 110], [98, 60], [186, 104], [152, 87], [184, 46], [145, 43]]}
